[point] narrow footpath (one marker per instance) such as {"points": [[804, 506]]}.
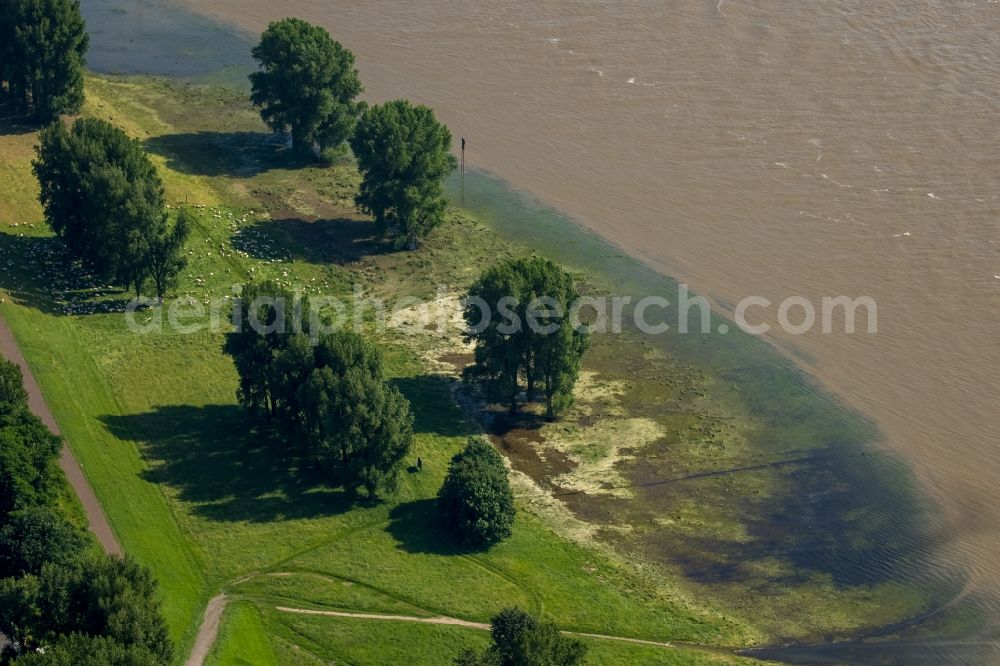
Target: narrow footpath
{"points": [[208, 631], [96, 520]]}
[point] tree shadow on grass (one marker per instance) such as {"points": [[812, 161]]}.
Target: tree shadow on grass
{"points": [[226, 467], [343, 240], [38, 271], [416, 528], [12, 124], [432, 405], [233, 154]]}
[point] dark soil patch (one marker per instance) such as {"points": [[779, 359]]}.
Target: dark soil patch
{"points": [[459, 361]]}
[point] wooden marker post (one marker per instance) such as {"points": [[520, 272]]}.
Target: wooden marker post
{"points": [[462, 185]]}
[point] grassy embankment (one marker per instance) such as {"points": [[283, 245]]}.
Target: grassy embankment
{"points": [[192, 491]]}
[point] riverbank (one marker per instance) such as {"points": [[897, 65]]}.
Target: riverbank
{"points": [[733, 515], [209, 504]]}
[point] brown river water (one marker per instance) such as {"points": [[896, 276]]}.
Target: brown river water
{"points": [[752, 148]]}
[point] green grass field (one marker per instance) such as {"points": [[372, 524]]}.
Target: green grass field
{"points": [[243, 639], [195, 492]]}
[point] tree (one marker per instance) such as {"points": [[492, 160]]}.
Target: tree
{"points": [[475, 501], [117, 598], [385, 422], [104, 199], [331, 396], [553, 353], [265, 317], [519, 639], [533, 338], [84, 650], [36, 535], [404, 155], [353, 416], [307, 84], [20, 615], [43, 47], [28, 453], [108, 596], [293, 363], [500, 344], [8, 67], [166, 259], [12, 393]]}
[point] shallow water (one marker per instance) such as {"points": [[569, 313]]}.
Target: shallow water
{"points": [[749, 148], [129, 36]]}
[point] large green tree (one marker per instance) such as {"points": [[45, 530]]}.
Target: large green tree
{"points": [[264, 318], [475, 501], [107, 596], [28, 450], [329, 395], [353, 416], [12, 391], [518, 317], [34, 536], [404, 155], [165, 257], [520, 639], [495, 319], [307, 84], [43, 47], [84, 650], [103, 197], [555, 348]]}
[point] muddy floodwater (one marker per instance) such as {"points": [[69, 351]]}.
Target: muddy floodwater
{"points": [[748, 148]]}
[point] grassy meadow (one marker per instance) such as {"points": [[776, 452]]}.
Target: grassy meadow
{"points": [[194, 491]]}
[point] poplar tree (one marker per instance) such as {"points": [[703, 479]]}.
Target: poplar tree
{"points": [[306, 84], [103, 197], [404, 155], [529, 340], [43, 48]]}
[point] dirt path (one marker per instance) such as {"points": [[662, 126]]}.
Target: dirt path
{"points": [[96, 520], [451, 621], [441, 619], [208, 631]]}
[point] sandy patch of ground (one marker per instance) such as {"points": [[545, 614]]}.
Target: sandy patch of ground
{"points": [[597, 451], [433, 328]]}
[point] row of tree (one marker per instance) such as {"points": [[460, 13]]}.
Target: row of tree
{"points": [[103, 197], [330, 397], [308, 84], [60, 602], [43, 48]]}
